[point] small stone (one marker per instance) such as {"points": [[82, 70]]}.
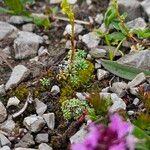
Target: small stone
{"points": [[2, 90], [119, 88], [99, 18], [140, 78], [27, 44], [91, 40], [89, 57], [7, 31], [138, 23], [97, 65], [5, 148], [134, 91], [79, 136], [118, 103], [98, 53], [18, 20], [55, 90], [42, 51], [28, 27], [13, 101], [8, 126], [40, 107], [105, 95], [44, 146], [130, 113], [132, 8], [34, 123], [18, 74], [42, 138], [107, 89], [80, 96], [146, 7], [77, 29], [101, 74], [3, 112], [4, 141], [26, 141], [50, 120], [136, 101], [139, 59]]}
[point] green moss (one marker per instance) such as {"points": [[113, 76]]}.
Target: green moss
{"points": [[21, 92]]}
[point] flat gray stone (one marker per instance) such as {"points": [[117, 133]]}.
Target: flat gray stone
{"points": [[26, 45], [2, 90], [102, 74], [50, 120], [98, 53], [18, 74], [132, 7], [140, 78], [44, 146], [34, 123], [3, 112], [139, 59], [26, 141], [7, 31], [28, 27], [4, 141], [40, 107], [146, 7], [13, 101], [91, 40], [42, 138], [5, 148], [18, 20]]}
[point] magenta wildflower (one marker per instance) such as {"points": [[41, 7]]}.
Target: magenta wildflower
{"points": [[117, 136]]}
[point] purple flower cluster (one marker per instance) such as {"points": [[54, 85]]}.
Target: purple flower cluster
{"points": [[117, 136]]}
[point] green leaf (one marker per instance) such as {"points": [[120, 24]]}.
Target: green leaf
{"points": [[142, 33], [141, 134], [123, 71], [116, 36], [109, 15], [5, 11], [122, 29]]}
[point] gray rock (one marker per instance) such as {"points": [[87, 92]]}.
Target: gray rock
{"points": [[89, 57], [97, 53], [107, 89], [130, 112], [138, 59], [18, 20], [55, 1], [40, 107], [98, 66], [133, 8], [3, 112], [118, 103], [20, 148], [4, 141], [18, 74], [101, 74], [55, 90], [91, 40], [146, 6], [26, 141], [77, 29], [34, 123], [28, 27], [5, 148], [105, 95], [80, 96], [136, 101], [26, 44], [42, 51], [140, 78], [50, 120], [138, 23], [119, 88], [2, 90], [44, 146], [79, 136], [13, 101], [7, 31], [8, 126], [42, 138], [134, 91], [99, 18]]}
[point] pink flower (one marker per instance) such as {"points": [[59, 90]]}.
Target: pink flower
{"points": [[117, 136]]}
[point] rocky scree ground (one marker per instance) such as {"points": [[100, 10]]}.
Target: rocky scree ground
{"points": [[33, 54]]}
